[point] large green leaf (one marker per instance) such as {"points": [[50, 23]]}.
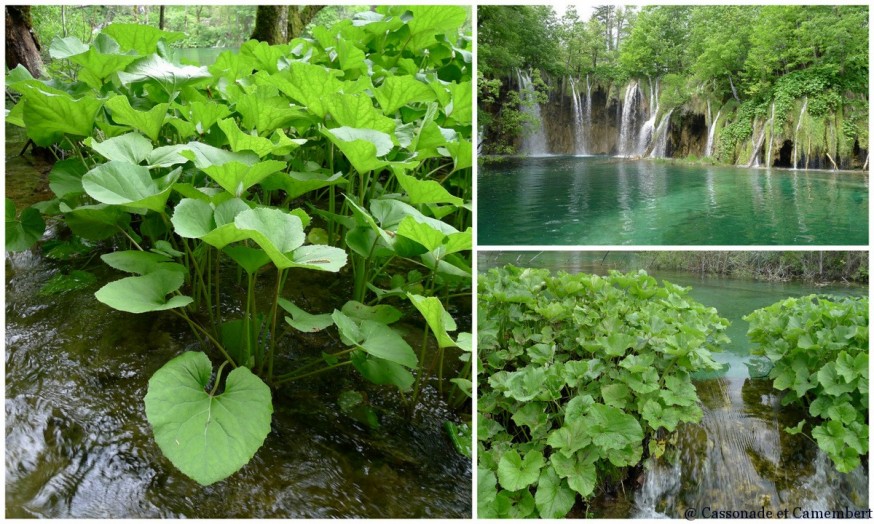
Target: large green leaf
{"points": [[303, 321], [207, 437], [438, 319], [95, 222], [426, 191], [241, 141], [578, 469], [236, 177], [139, 37], [515, 473], [553, 498], [65, 178], [140, 262], [66, 47], [51, 114], [431, 20], [398, 91], [170, 77], [122, 183], [308, 84], [132, 148], [97, 67], [144, 293], [148, 122], [357, 112], [361, 146], [381, 371], [296, 183], [384, 342], [23, 231]]}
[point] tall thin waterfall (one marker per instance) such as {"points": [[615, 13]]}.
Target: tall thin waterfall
{"points": [[646, 130], [711, 133], [661, 137], [580, 129], [770, 138], [795, 144], [757, 145], [534, 139], [627, 131], [588, 105]]}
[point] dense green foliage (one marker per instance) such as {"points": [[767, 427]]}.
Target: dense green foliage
{"points": [[752, 55], [817, 266], [819, 348], [192, 174], [582, 377]]}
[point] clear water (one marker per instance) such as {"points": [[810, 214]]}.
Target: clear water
{"points": [[738, 457], [611, 201]]}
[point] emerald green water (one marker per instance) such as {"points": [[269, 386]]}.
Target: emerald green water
{"points": [[609, 201]]}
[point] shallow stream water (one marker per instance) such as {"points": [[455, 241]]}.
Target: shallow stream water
{"points": [[738, 457], [565, 200], [78, 443]]}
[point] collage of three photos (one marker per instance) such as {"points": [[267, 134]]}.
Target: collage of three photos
{"points": [[437, 261]]}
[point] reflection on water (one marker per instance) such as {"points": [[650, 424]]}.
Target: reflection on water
{"points": [[78, 444], [609, 201]]}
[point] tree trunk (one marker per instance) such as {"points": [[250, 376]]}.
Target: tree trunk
{"points": [[22, 46], [298, 18], [733, 90], [161, 18], [268, 24]]}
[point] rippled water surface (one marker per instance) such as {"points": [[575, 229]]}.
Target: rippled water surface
{"points": [[610, 201], [78, 444]]}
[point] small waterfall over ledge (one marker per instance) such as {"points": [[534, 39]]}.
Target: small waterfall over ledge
{"points": [[660, 137], [739, 458], [534, 138], [580, 128], [795, 144], [628, 131], [710, 134]]}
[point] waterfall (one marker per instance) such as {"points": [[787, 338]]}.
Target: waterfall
{"points": [[795, 144], [768, 161], [588, 105], [646, 130], [757, 145], [533, 138], [711, 133], [627, 132], [735, 459], [661, 137], [579, 122]]}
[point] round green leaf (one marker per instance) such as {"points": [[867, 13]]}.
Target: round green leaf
{"points": [[207, 437]]}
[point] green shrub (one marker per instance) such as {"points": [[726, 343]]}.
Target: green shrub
{"points": [[819, 347], [582, 377]]}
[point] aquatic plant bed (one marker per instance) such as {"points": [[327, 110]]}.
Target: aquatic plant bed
{"points": [[212, 192], [818, 346], [608, 201], [582, 378]]}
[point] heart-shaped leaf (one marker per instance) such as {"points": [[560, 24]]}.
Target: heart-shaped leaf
{"points": [[122, 183], [207, 437]]}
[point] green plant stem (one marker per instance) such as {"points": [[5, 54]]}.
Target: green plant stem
{"points": [[197, 327], [250, 306], [272, 347], [218, 376], [313, 373], [420, 374], [314, 362], [134, 242]]}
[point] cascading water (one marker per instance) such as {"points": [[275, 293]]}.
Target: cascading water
{"points": [[579, 122], [646, 130], [588, 112], [757, 145], [710, 134], [533, 139], [627, 128], [738, 458], [795, 144], [770, 138], [660, 137]]}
